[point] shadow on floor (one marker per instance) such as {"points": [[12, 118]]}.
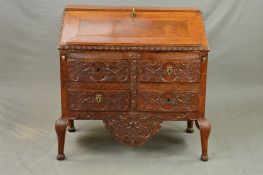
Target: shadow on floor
{"points": [[98, 139]]}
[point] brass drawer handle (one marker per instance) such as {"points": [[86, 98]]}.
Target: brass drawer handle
{"points": [[133, 13], [169, 70], [98, 98]]}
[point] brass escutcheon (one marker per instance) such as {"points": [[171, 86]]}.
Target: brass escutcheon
{"points": [[63, 57], [98, 98], [169, 70], [133, 13]]}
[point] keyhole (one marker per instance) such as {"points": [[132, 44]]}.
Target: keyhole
{"points": [[98, 69], [168, 100], [169, 70]]}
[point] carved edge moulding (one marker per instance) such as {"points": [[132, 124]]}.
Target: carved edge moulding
{"points": [[132, 48]]}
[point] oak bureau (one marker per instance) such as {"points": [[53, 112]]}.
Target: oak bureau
{"points": [[133, 68]]}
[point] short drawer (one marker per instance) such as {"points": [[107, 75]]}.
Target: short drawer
{"points": [[96, 100], [98, 70], [183, 71], [170, 101]]}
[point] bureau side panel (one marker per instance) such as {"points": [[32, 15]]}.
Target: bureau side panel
{"points": [[63, 79], [202, 96]]}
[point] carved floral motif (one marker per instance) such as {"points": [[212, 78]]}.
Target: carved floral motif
{"points": [[98, 71], [110, 100], [168, 101], [133, 129], [133, 83], [180, 71]]}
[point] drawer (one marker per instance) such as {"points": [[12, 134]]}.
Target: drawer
{"points": [[183, 71], [96, 100], [98, 70], [170, 101]]}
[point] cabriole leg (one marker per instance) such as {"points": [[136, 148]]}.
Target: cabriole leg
{"points": [[71, 127], [190, 125], [205, 128], [61, 125]]}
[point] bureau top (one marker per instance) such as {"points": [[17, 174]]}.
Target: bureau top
{"points": [[101, 27]]}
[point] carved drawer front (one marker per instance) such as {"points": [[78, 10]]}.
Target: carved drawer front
{"points": [[98, 70], [183, 71], [171, 101], [93, 100]]}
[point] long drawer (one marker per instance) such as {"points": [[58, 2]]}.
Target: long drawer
{"points": [[84, 70], [97, 100], [167, 101], [183, 71]]}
